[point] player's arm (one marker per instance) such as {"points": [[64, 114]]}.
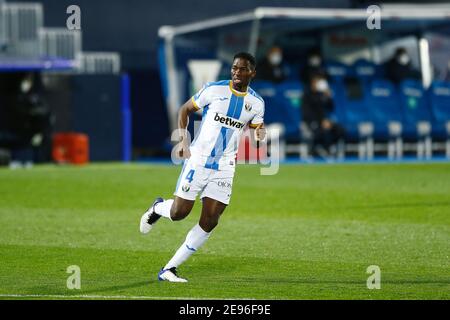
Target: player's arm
{"points": [[259, 133], [183, 120], [257, 125]]}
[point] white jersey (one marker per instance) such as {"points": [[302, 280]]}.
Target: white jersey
{"points": [[226, 113]]}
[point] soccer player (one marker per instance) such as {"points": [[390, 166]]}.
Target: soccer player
{"points": [[209, 165]]}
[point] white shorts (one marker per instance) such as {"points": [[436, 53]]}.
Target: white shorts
{"points": [[195, 179]]}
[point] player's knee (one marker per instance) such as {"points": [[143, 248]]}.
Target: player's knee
{"points": [[209, 223], [178, 213], [209, 226]]}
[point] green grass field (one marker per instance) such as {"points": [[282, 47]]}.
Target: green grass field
{"points": [[309, 232]]}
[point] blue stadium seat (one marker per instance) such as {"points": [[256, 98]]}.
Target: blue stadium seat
{"points": [[268, 92], [337, 71], [290, 94], [384, 106], [415, 108], [350, 111], [364, 70], [292, 71], [282, 104], [440, 106], [339, 103]]}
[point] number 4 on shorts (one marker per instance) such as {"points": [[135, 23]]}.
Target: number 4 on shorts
{"points": [[190, 176]]}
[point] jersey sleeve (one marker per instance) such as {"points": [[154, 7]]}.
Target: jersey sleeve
{"points": [[201, 98], [258, 118]]}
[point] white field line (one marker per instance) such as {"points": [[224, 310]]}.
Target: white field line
{"points": [[87, 296]]}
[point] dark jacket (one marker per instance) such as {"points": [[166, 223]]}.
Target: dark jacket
{"points": [[268, 72], [397, 72], [316, 107]]}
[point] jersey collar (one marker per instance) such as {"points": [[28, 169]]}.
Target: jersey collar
{"points": [[235, 92]]}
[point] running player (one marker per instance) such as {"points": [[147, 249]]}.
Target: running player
{"points": [[209, 165]]}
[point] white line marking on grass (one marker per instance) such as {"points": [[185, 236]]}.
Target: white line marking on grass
{"points": [[87, 296]]}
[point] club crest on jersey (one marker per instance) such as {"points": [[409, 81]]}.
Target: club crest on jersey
{"points": [[248, 107], [228, 121], [186, 188]]}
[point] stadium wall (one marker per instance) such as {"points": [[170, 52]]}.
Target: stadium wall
{"points": [[131, 27]]}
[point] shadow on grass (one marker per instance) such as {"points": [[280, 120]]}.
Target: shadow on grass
{"points": [[122, 287], [107, 290]]}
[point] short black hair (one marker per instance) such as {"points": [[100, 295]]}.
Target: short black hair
{"points": [[247, 56]]}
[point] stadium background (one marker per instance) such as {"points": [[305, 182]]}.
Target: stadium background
{"points": [[141, 123], [309, 232]]}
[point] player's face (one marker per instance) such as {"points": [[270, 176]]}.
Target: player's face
{"points": [[241, 74]]}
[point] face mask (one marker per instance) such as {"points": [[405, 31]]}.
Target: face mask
{"points": [[26, 85], [315, 61], [322, 85], [275, 58], [403, 59]]}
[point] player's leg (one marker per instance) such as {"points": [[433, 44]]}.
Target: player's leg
{"points": [[215, 197], [197, 236], [211, 212], [172, 209], [188, 185]]}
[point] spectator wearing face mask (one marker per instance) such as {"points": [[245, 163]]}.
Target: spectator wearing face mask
{"points": [[271, 68], [314, 66], [317, 106], [399, 67]]}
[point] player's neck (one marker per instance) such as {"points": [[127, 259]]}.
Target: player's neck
{"points": [[241, 90]]}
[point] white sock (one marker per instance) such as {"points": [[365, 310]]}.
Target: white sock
{"points": [[163, 208], [194, 240]]}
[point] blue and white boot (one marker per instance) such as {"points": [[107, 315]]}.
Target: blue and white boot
{"points": [[170, 275], [150, 217]]}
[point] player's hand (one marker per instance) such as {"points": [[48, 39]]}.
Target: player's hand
{"points": [[184, 151], [260, 133]]}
